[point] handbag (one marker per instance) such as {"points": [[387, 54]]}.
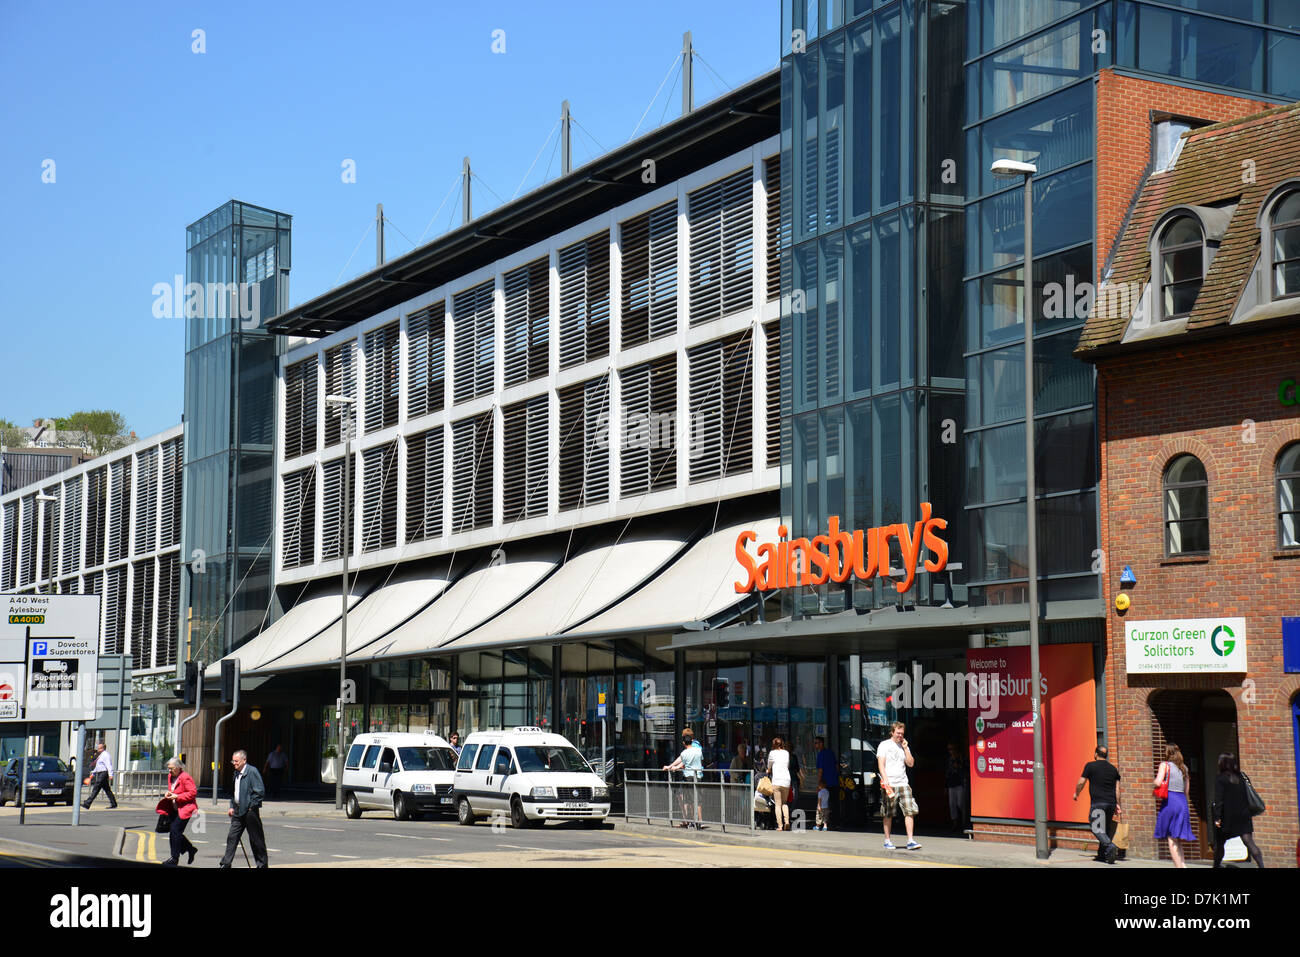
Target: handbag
{"points": [[1161, 790], [1254, 803], [163, 824]]}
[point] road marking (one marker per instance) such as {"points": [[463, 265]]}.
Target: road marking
{"points": [[522, 847], [346, 857], [153, 846], [305, 827], [305, 853], [411, 837]]}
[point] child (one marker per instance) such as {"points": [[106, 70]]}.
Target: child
{"points": [[823, 804]]}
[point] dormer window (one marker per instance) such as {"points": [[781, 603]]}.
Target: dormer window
{"points": [[1182, 266], [1284, 242]]}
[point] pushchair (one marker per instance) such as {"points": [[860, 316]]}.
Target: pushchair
{"points": [[764, 811]]}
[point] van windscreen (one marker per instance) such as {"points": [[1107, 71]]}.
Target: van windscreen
{"points": [[427, 759], [550, 758]]}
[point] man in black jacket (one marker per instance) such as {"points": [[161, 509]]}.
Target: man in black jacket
{"points": [[245, 811]]}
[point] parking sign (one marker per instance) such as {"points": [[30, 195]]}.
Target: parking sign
{"points": [[49, 657]]}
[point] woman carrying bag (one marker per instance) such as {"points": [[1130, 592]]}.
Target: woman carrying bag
{"points": [[1232, 810], [1174, 821], [176, 808]]}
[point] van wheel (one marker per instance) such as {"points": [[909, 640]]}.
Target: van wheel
{"points": [[464, 813], [518, 819], [401, 807], [352, 807]]}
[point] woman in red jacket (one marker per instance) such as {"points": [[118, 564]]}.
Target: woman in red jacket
{"points": [[180, 801]]}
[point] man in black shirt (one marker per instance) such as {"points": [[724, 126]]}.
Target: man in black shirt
{"points": [[1102, 779]]}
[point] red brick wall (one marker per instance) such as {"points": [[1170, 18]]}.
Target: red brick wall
{"points": [[1198, 399], [1124, 108]]}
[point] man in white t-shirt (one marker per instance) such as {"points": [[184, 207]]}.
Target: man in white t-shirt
{"points": [[893, 758]]}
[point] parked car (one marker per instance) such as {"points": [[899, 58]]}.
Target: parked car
{"points": [[407, 774], [530, 774], [48, 780]]}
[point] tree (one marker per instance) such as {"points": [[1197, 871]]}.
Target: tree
{"points": [[11, 436], [99, 431]]}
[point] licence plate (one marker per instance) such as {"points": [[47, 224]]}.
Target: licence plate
{"points": [[444, 800], [577, 805], [51, 790]]}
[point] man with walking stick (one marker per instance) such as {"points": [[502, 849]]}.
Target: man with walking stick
{"points": [[245, 811]]}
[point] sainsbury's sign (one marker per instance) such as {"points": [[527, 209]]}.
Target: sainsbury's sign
{"points": [[838, 554]]}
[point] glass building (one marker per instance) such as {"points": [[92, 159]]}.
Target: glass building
{"points": [[237, 278]]}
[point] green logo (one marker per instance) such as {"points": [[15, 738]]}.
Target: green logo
{"points": [[1228, 643], [979, 725]]}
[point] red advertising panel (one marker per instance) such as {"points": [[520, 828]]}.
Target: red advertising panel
{"points": [[1002, 743]]}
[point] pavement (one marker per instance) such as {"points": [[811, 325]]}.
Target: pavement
{"points": [[313, 833]]}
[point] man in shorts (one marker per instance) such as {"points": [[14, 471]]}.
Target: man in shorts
{"points": [[893, 758]]}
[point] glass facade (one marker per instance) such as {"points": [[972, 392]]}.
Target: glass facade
{"points": [[237, 273], [903, 261]]}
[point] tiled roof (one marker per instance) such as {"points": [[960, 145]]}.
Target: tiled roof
{"points": [[1211, 171]]}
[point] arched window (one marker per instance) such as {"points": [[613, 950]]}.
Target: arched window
{"points": [[1182, 266], [1288, 496], [1284, 241], [1187, 515]]}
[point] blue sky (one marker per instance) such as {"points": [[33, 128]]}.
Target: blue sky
{"points": [[146, 136]]}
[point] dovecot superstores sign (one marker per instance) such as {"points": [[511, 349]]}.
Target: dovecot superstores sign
{"points": [[838, 554], [1186, 644]]}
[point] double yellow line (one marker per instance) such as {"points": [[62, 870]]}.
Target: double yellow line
{"points": [[146, 839]]}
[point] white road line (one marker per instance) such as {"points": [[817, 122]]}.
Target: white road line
{"points": [[304, 827], [411, 837], [521, 847], [305, 853], [346, 857]]}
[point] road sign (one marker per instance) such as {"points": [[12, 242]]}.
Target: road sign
{"points": [[114, 693], [49, 655]]}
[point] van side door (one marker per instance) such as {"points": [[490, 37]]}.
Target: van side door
{"points": [[502, 768], [365, 788], [383, 778]]}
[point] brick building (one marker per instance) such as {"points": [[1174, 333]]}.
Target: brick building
{"points": [[1200, 465]]}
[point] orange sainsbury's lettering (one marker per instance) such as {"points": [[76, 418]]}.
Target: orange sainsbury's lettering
{"points": [[836, 555]]}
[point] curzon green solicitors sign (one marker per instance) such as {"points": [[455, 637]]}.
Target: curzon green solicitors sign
{"points": [[1185, 645]]}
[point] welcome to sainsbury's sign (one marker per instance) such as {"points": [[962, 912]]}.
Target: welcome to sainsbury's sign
{"points": [[838, 554]]}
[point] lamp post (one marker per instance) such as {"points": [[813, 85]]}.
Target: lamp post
{"points": [[40, 541], [1012, 168], [345, 404]]}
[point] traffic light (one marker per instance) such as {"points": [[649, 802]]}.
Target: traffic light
{"points": [[229, 680], [191, 682], [722, 693]]}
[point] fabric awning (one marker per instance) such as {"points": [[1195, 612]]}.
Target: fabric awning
{"points": [[585, 585], [695, 587], [304, 621], [383, 610], [471, 601]]}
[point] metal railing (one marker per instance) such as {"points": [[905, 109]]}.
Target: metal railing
{"points": [[719, 798], [140, 783]]}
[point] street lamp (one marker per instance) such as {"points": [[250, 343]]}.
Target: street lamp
{"points": [[345, 404], [1010, 169], [40, 540]]}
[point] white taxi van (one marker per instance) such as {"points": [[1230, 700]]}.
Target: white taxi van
{"points": [[405, 774], [532, 775]]}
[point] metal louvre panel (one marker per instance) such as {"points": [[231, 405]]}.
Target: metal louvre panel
{"points": [[142, 612], [340, 379], [299, 546], [721, 406], [527, 322], [96, 515], [721, 222], [471, 317], [70, 560], [9, 559], [424, 485], [772, 184], [167, 620], [524, 468], [332, 507], [426, 336], [115, 610], [169, 527], [379, 498], [584, 300], [649, 439], [300, 408], [584, 443], [472, 469], [807, 255], [27, 563], [146, 507], [777, 425], [649, 247], [831, 191], [49, 534], [381, 376], [70, 586]]}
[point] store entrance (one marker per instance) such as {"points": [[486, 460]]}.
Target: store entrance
{"points": [[934, 722]]}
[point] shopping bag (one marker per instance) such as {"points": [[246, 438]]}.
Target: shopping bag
{"points": [[1121, 835]]}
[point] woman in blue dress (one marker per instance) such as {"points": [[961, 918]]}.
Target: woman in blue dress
{"points": [[1174, 822]]}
